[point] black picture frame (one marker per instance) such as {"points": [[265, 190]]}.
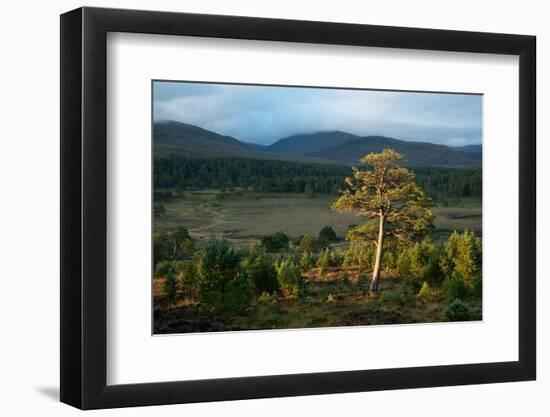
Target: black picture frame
{"points": [[84, 207]]}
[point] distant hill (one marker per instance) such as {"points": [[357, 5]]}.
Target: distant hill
{"points": [[175, 138], [469, 148], [416, 153], [309, 143], [188, 140]]}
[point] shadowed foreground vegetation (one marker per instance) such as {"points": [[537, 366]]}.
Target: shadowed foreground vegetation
{"points": [[311, 283]]}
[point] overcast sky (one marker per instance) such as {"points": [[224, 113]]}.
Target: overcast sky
{"points": [[264, 114]]}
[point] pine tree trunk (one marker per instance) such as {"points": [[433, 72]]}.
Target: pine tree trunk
{"points": [[379, 253]]}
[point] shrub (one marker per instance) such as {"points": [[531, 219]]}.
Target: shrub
{"points": [[275, 242], [414, 284], [478, 286], [463, 255], [324, 261], [331, 298], [359, 255], [306, 244], [345, 280], [363, 283], [350, 228], [290, 279], [421, 260], [172, 246], [327, 233], [404, 263], [393, 297], [163, 268], [223, 284], [433, 274], [426, 293], [388, 261], [188, 278], [161, 247], [336, 257], [262, 275], [170, 286], [455, 287], [410, 296], [457, 311], [307, 261], [265, 298]]}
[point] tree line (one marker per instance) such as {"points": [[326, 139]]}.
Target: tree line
{"points": [[183, 173]]}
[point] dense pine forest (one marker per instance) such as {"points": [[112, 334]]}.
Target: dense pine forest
{"points": [[181, 173]]}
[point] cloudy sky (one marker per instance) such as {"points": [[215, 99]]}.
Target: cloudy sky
{"points": [[264, 114]]}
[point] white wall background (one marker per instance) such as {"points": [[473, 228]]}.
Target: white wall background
{"points": [[29, 208]]}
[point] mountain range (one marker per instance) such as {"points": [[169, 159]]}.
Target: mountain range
{"points": [[176, 138]]}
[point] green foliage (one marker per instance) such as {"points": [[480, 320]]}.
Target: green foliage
{"points": [[306, 244], [422, 260], [457, 311], [455, 287], [168, 246], [345, 280], [478, 286], [427, 294], [161, 246], [404, 263], [359, 254], [307, 261], [223, 284], [188, 278], [386, 193], [262, 274], [290, 279], [324, 261], [395, 208], [350, 229], [262, 175], [389, 262], [266, 297], [392, 297], [163, 268], [443, 184], [463, 255], [363, 284], [336, 258], [414, 283], [183, 173], [327, 233], [276, 242], [432, 273], [170, 286]]}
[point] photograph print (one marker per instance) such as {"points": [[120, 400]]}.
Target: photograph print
{"points": [[293, 207]]}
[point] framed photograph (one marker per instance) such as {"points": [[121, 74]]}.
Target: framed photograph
{"points": [[257, 208]]}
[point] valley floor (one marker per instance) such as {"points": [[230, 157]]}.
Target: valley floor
{"points": [[243, 217]]}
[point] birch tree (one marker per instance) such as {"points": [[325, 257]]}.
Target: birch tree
{"points": [[394, 206]]}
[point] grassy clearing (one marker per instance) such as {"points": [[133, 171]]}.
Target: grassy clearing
{"points": [[243, 217]]}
